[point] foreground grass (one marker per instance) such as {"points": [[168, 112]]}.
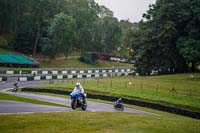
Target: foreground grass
{"points": [[27, 100], [97, 122], [155, 89]]}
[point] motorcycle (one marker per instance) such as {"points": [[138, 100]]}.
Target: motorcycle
{"points": [[15, 89], [118, 106], [78, 100]]}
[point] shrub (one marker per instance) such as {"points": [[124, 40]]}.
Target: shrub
{"points": [[3, 42], [87, 58]]}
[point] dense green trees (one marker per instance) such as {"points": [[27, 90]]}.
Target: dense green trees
{"points": [[61, 33], [77, 24], [168, 38]]}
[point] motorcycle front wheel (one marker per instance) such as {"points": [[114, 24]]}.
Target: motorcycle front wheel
{"points": [[74, 103]]}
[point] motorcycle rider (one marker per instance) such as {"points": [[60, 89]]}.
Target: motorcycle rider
{"points": [[79, 89], [16, 86], [119, 104], [119, 101]]}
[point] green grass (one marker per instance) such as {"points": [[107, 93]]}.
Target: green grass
{"points": [[75, 63], [97, 122], [27, 100], [3, 50], [154, 88], [67, 63]]}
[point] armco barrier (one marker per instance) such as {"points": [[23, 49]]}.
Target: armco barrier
{"points": [[166, 108]]}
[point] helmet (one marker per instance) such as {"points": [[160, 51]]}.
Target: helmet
{"points": [[78, 84]]}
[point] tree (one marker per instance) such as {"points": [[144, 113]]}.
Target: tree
{"points": [[84, 13], [111, 34], [47, 48], [128, 30], [30, 21], [163, 33], [190, 49], [61, 33], [40, 16]]}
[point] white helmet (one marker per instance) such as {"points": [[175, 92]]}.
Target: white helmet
{"points": [[78, 84]]}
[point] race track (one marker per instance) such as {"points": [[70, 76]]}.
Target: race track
{"points": [[25, 107], [10, 107]]}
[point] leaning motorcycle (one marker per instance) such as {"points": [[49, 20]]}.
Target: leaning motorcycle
{"points": [[118, 106], [15, 89], [78, 100]]}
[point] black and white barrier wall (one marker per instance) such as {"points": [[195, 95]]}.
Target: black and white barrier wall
{"points": [[28, 75]]}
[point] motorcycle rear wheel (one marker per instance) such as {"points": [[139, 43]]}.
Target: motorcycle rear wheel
{"points": [[84, 106], [119, 107]]}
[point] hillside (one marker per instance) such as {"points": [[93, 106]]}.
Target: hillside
{"points": [[70, 62], [75, 63]]}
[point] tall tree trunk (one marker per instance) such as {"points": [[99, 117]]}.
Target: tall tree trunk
{"points": [[36, 40], [193, 67]]}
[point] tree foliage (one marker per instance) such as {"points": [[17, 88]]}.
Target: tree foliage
{"points": [[69, 24], [61, 33], [168, 37]]}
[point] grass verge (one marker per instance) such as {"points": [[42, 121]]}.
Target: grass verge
{"points": [[155, 89], [97, 122], [75, 63]]}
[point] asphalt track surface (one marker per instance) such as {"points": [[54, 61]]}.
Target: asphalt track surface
{"points": [[19, 107], [10, 107]]}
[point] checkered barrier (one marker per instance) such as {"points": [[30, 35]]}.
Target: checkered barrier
{"points": [[80, 75], [69, 74], [64, 71]]}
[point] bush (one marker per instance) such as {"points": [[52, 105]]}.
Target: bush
{"points": [[3, 42], [87, 59]]}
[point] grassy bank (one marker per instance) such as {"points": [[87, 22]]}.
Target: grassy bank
{"points": [[67, 63], [97, 122], [27, 100], [179, 89], [75, 63]]}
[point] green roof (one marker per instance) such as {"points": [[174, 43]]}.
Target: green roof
{"points": [[15, 58]]}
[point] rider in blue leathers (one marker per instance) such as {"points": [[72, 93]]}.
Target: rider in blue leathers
{"points": [[79, 89]]}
